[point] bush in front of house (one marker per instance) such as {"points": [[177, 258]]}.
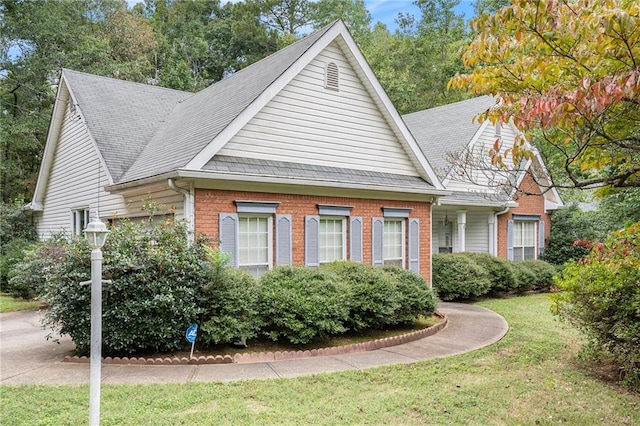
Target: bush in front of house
{"points": [[300, 304], [501, 273], [229, 302], [601, 296], [543, 273], [17, 235], [151, 301], [416, 298], [458, 277], [372, 296]]}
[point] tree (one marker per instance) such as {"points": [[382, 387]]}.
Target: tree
{"points": [[353, 12], [568, 73]]}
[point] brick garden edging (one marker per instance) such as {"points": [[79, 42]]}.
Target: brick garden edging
{"points": [[246, 358]]}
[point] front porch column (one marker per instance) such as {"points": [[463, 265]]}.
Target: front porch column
{"points": [[462, 225]]}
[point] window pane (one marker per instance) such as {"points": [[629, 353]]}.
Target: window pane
{"points": [[524, 240], [253, 243], [332, 237], [393, 242]]}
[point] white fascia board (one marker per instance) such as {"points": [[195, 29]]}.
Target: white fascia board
{"points": [[55, 124], [296, 181], [472, 203], [472, 142], [212, 148], [383, 102]]}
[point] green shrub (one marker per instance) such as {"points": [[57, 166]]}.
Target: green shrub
{"points": [[40, 262], [16, 235], [525, 277], [300, 304], [372, 296], [458, 277], [416, 298], [543, 273], [228, 301], [601, 296], [501, 274], [151, 301], [12, 269]]}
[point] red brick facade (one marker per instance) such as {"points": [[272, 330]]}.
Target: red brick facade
{"points": [[527, 204], [209, 203]]}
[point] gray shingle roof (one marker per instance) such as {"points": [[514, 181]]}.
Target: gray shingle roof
{"points": [[200, 118], [446, 129], [122, 116], [281, 169]]}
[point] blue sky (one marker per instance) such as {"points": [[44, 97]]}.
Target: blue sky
{"points": [[386, 11]]}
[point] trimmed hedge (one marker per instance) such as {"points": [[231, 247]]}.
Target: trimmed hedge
{"points": [[300, 304], [501, 272], [457, 277], [461, 276]]}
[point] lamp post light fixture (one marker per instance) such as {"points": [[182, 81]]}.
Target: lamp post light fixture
{"points": [[96, 234]]}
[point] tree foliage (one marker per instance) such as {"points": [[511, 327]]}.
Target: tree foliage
{"points": [[570, 70]]}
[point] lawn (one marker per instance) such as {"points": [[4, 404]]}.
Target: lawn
{"points": [[10, 304], [529, 377]]}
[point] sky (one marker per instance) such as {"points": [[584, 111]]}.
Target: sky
{"points": [[386, 11]]}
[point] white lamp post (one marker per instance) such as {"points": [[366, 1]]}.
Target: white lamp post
{"points": [[96, 234]]}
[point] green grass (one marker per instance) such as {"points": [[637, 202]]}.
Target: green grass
{"points": [[529, 377], [11, 304]]}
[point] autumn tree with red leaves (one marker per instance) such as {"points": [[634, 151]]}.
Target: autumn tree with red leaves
{"points": [[567, 73]]}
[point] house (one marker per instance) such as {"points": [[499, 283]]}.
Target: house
{"points": [[299, 159], [490, 209]]}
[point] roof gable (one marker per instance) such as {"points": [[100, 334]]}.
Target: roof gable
{"points": [[308, 123]]}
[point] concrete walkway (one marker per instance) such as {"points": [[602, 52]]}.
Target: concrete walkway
{"points": [[26, 357]]}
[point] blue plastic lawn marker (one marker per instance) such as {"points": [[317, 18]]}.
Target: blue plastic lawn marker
{"points": [[192, 333]]}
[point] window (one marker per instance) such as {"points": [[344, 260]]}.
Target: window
{"points": [[332, 239], [79, 220], [254, 244], [524, 240], [393, 242]]}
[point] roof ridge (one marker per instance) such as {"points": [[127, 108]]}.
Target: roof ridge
{"points": [[450, 105]]}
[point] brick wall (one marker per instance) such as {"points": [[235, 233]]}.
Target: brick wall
{"points": [[209, 203], [527, 204]]}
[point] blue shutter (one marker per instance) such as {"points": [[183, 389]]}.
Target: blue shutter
{"points": [[355, 239], [540, 238], [312, 240], [283, 240], [229, 236], [510, 240], [414, 245], [377, 241]]}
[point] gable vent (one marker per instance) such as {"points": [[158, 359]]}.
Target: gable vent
{"points": [[332, 76]]}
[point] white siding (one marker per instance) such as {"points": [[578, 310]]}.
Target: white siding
{"points": [[477, 237], [309, 124], [169, 202], [484, 177], [76, 180], [477, 230]]}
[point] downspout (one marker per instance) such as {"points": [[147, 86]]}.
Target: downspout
{"points": [[187, 208], [434, 201]]}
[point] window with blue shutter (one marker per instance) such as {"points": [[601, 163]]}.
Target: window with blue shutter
{"points": [[414, 245], [312, 240], [355, 239], [540, 238], [283, 240], [510, 239], [229, 236], [377, 241]]}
